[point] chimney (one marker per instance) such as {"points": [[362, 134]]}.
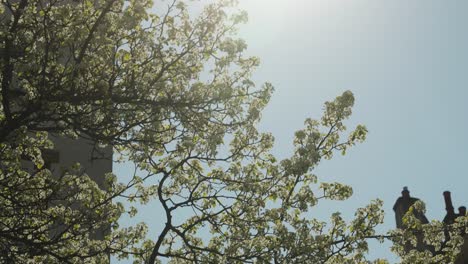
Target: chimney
{"points": [[450, 216], [405, 193], [461, 211]]}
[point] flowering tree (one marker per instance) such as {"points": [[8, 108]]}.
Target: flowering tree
{"points": [[171, 93]]}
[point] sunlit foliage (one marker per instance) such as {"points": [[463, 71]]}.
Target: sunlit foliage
{"points": [[171, 92]]}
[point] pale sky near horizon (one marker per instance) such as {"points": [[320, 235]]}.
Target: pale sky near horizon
{"points": [[406, 63]]}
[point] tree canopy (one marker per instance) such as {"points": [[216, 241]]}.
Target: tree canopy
{"points": [[170, 91]]}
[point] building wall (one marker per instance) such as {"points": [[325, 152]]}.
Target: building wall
{"points": [[95, 161]]}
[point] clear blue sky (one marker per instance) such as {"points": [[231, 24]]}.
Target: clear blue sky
{"points": [[407, 64]]}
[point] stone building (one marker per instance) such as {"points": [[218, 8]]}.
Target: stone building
{"points": [[94, 160], [403, 204]]}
